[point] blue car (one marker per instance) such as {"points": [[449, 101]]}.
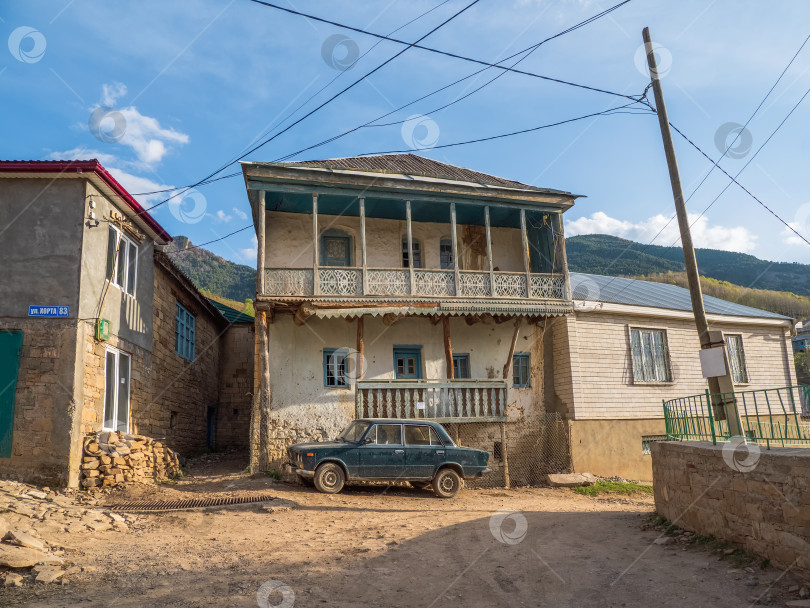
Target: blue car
{"points": [[372, 449]]}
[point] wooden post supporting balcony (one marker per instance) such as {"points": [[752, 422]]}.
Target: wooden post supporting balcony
{"points": [[448, 347], [410, 246], [363, 259], [489, 253], [558, 232], [261, 216], [361, 347], [315, 246], [454, 239], [527, 265], [512, 347]]}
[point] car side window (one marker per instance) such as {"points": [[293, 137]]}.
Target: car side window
{"points": [[388, 434], [434, 438], [417, 434]]}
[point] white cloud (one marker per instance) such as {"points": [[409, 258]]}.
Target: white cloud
{"points": [[735, 238], [131, 183], [110, 93], [221, 216], [249, 253], [790, 237], [239, 213]]}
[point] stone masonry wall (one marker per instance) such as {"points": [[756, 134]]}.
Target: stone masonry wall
{"points": [[757, 498], [183, 390], [45, 402], [235, 387]]}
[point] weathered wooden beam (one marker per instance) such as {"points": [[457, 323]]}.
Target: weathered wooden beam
{"points": [[489, 253], [363, 258], [261, 230], [454, 240], [448, 347], [316, 283], [524, 237], [512, 346], [410, 247], [361, 349], [304, 312]]}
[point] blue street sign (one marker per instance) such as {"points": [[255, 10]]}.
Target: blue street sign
{"points": [[49, 311]]}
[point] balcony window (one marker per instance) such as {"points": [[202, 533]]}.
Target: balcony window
{"points": [[417, 253], [122, 261], [446, 254], [461, 366], [336, 249], [184, 333]]}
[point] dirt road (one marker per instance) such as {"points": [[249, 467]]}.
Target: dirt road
{"points": [[389, 548]]}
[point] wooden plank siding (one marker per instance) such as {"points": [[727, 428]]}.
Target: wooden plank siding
{"points": [[593, 374]]}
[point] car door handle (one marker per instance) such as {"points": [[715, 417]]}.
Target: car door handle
{"points": [[399, 451], [440, 451]]}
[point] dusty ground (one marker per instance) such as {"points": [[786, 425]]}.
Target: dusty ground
{"points": [[385, 547]]}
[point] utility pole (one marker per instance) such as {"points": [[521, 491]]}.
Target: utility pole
{"points": [[720, 387]]}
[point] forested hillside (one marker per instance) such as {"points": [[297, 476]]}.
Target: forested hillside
{"points": [[211, 273]]}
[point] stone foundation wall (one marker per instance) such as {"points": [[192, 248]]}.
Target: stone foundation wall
{"points": [[44, 403], [757, 498], [236, 387], [111, 458]]}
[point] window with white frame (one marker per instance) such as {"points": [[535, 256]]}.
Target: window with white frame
{"points": [[116, 391], [650, 355], [122, 260], [736, 358]]}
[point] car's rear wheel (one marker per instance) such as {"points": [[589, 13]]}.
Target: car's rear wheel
{"points": [[447, 483], [329, 478]]}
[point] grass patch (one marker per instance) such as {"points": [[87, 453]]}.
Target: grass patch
{"points": [[274, 474], [613, 487]]}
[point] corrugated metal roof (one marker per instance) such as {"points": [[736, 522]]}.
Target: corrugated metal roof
{"points": [[633, 292], [412, 164], [231, 314]]}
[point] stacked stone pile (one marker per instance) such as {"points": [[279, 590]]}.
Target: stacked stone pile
{"points": [[112, 458]]}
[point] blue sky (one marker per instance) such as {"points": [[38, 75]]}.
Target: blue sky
{"points": [[186, 87]]}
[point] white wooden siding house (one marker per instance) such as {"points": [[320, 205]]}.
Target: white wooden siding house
{"points": [[399, 286]]}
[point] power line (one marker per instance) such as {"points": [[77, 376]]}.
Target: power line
{"points": [[325, 103], [445, 53], [607, 112], [213, 241]]}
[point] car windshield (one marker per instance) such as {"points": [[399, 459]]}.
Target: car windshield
{"points": [[354, 431]]}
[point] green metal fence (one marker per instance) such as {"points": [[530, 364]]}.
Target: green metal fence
{"points": [[773, 416]]}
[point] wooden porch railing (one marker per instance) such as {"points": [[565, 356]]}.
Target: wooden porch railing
{"points": [[442, 400]]}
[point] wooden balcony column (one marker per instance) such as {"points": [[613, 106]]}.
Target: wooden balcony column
{"points": [[315, 246], [454, 239], [410, 246], [363, 259], [527, 266], [489, 252]]}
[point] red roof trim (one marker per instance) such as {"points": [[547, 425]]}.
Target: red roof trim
{"points": [[85, 166]]}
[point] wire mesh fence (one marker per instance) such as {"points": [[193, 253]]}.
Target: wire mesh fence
{"points": [[521, 453]]}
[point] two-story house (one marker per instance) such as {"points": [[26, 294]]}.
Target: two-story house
{"points": [[399, 286], [99, 330]]}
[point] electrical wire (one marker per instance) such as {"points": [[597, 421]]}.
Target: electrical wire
{"points": [[212, 241], [322, 105]]}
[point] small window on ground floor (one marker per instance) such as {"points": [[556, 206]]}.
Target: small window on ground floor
{"points": [[335, 371], [648, 440], [520, 370]]}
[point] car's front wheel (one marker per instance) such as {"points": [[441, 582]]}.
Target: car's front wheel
{"points": [[329, 478], [447, 483]]}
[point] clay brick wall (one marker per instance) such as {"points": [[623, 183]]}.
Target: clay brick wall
{"points": [[183, 390], [759, 499], [236, 387], [44, 402]]}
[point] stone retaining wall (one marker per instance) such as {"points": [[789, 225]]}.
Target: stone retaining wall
{"points": [[755, 497], [111, 458]]}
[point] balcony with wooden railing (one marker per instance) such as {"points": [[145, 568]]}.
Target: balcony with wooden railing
{"points": [[440, 400]]}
